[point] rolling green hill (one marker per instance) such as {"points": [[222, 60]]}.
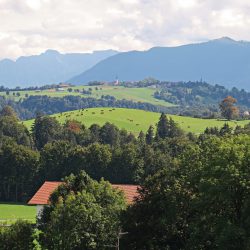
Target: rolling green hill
{"points": [[119, 92], [135, 120]]}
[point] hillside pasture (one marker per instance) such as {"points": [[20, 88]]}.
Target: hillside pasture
{"points": [[136, 120], [132, 94], [119, 92]]}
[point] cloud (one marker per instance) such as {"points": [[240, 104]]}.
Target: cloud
{"points": [[32, 26]]}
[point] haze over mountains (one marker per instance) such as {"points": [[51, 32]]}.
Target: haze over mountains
{"points": [[48, 67], [222, 61]]}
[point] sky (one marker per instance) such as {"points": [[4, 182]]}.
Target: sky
{"points": [[29, 27]]}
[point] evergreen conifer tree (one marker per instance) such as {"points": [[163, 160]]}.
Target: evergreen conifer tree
{"points": [[163, 126], [150, 135]]}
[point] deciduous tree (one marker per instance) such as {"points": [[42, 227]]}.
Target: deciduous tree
{"points": [[84, 214], [45, 129], [228, 108]]}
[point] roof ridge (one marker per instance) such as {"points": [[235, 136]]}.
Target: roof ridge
{"points": [[41, 197]]}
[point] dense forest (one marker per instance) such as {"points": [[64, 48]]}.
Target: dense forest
{"points": [[194, 189]]}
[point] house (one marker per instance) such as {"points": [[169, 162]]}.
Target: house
{"points": [[41, 197], [246, 113], [60, 89], [65, 85]]}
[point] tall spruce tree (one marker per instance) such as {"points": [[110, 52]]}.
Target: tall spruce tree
{"points": [[168, 128], [150, 135], [162, 126], [174, 130], [141, 138]]}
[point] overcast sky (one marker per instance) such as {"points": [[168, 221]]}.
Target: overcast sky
{"points": [[32, 26]]}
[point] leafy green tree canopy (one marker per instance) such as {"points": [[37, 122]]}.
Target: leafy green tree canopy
{"points": [[45, 129], [84, 214], [8, 111], [200, 202]]}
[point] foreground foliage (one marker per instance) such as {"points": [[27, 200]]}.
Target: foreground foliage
{"points": [[201, 202], [84, 214], [195, 190], [17, 237]]}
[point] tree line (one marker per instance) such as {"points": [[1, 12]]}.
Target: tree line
{"points": [[30, 106], [200, 99]]}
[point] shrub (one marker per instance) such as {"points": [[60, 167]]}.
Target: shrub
{"points": [[17, 236]]}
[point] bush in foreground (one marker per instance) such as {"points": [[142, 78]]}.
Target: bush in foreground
{"points": [[17, 236], [84, 214]]}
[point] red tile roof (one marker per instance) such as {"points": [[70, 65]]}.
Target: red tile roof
{"points": [[41, 197], [130, 191]]}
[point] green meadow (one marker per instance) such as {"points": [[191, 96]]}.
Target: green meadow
{"points": [[132, 94], [136, 120], [119, 92], [9, 212]]}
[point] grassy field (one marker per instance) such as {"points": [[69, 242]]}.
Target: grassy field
{"points": [[119, 92], [9, 213], [132, 94], [135, 120]]}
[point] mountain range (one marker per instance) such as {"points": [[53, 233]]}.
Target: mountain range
{"points": [[48, 67], [222, 61]]}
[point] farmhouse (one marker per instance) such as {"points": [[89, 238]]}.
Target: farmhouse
{"points": [[60, 89], [41, 197], [246, 113], [65, 85]]}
